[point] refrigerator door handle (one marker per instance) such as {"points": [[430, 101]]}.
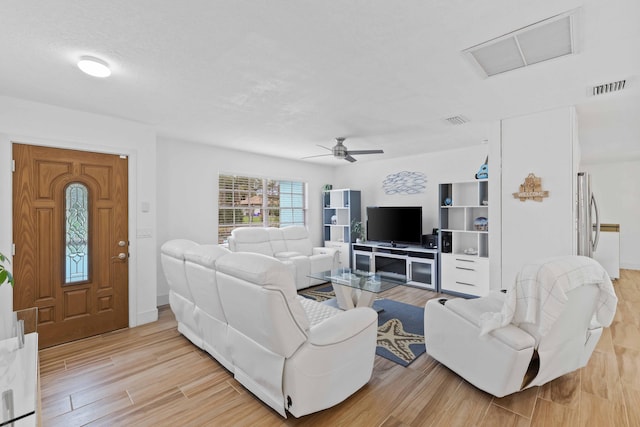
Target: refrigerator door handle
{"points": [[595, 208]]}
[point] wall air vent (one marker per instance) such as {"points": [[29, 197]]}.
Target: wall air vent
{"points": [[457, 120], [544, 40], [608, 87]]}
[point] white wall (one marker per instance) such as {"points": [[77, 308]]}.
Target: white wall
{"points": [[544, 144], [617, 189], [440, 167], [41, 124], [188, 190]]}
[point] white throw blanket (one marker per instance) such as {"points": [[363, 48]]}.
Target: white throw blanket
{"points": [[540, 293]]}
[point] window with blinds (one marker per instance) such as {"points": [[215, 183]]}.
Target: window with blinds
{"points": [[245, 201]]}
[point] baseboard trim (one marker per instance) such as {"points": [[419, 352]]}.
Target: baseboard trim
{"points": [[630, 266], [162, 300], [147, 317]]}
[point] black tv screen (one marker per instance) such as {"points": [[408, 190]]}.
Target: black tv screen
{"points": [[388, 224]]}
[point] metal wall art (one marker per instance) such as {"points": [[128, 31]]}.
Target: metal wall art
{"points": [[405, 183]]}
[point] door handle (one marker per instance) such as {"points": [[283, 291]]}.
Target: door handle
{"points": [[121, 256]]}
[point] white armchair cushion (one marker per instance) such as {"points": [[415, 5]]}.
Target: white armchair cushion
{"points": [[472, 309]]}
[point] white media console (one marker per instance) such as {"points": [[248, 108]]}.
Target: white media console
{"points": [[419, 265]]}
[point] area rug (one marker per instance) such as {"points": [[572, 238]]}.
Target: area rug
{"points": [[400, 327]]}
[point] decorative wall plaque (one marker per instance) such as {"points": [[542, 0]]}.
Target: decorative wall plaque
{"points": [[531, 189], [405, 183]]}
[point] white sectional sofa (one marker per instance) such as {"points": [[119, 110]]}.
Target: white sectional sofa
{"points": [[286, 244], [295, 354]]}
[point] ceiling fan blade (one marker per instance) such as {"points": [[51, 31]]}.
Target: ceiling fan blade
{"points": [[365, 152], [317, 155], [349, 158], [326, 148]]}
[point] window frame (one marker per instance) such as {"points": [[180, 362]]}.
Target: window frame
{"points": [[229, 204]]}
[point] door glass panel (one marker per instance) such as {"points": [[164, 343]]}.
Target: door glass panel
{"points": [[76, 233]]}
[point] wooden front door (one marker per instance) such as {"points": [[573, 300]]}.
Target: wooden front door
{"points": [[71, 241]]}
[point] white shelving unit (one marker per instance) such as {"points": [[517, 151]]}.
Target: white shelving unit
{"points": [[340, 208], [464, 237]]}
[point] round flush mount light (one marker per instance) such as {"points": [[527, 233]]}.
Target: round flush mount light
{"points": [[94, 67]]}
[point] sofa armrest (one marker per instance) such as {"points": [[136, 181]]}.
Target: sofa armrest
{"points": [[343, 326], [495, 363]]}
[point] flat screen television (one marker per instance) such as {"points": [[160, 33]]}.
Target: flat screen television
{"points": [[394, 224]]}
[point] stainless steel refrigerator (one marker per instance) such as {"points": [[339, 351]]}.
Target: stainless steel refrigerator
{"points": [[588, 217]]}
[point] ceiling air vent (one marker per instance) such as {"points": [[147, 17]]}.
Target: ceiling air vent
{"points": [[608, 87], [544, 40], [457, 120]]}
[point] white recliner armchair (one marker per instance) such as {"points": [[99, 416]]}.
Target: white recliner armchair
{"points": [[296, 355], [545, 326]]}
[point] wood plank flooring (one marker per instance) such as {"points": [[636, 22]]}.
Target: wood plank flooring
{"points": [[153, 376]]}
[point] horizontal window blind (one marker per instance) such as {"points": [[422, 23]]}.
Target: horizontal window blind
{"points": [[245, 201]]}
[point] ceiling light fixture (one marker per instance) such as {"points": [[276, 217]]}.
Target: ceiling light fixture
{"points": [[94, 67]]}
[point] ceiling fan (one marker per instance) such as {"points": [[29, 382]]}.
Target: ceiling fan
{"points": [[340, 151]]}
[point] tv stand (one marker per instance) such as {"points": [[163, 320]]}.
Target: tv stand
{"points": [[419, 265]]}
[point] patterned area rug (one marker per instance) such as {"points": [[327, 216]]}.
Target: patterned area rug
{"points": [[400, 327]]}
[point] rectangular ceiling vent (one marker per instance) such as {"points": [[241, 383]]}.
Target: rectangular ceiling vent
{"points": [[608, 87], [457, 120], [551, 38]]}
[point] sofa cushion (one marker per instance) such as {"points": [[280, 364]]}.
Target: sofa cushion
{"points": [[268, 272], [316, 311], [297, 239], [177, 247], [250, 240], [278, 245], [205, 255]]}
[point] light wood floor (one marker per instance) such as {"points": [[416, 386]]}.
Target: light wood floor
{"points": [[153, 376]]}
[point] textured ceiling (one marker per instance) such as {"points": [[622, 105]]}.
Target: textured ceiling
{"points": [[278, 77]]}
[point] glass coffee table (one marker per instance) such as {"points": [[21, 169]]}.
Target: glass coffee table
{"points": [[355, 288]]}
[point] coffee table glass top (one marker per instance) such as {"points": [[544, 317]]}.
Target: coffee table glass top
{"points": [[363, 280]]}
